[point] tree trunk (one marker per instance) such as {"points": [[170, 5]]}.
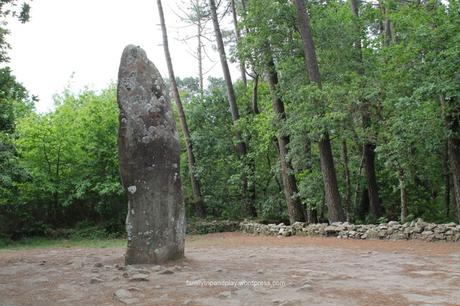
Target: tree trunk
{"points": [[331, 187], [369, 146], [196, 187], [347, 179], [452, 119], [255, 97], [371, 179], [363, 208], [387, 27], [243, 3], [311, 212], [454, 158], [446, 181], [403, 191], [238, 37], [241, 145], [295, 209]]}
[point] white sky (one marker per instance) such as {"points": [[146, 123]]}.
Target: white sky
{"points": [[86, 37]]}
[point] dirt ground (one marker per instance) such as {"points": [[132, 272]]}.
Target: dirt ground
{"points": [[239, 269]]}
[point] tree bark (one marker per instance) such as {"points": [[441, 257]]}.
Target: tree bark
{"points": [[371, 179], [296, 211], [454, 158], [369, 146], [238, 37], [347, 179], [452, 117], [196, 187], [446, 181], [255, 96], [388, 37], [331, 187], [241, 145], [311, 212]]}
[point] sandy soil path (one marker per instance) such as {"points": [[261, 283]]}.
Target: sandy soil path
{"points": [[238, 269]]}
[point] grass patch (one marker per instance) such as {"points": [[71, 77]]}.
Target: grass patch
{"points": [[44, 243]]}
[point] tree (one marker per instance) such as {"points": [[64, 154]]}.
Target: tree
{"points": [[196, 186], [327, 161], [197, 15], [241, 144], [368, 146], [238, 39], [15, 103], [296, 211], [9, 8]]}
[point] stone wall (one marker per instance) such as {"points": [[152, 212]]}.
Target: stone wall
{"points": [[415, 230]]}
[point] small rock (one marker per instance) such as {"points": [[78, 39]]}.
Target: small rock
{"points": [[157, 287], [139, 278], [94, 270], [134, 289], [124, 296], [42, 263], [260, 271], [219, 270], [95, 280], [224, 295], [166, 271], [305, 287], [98, 265]]}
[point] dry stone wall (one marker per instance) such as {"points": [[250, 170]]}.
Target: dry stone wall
{"points": [[393, 230]]}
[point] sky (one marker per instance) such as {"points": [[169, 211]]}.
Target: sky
{"points": [[78, 43]]}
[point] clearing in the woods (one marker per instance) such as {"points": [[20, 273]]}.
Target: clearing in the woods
{"points": [[239, 269]]}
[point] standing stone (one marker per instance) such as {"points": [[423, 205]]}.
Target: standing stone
{"points": [[148, 146]]}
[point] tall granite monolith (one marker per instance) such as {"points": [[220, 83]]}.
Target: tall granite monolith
{"points": [[148, 146]]}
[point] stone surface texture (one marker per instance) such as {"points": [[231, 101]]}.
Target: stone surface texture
{"points": [[393, 230], [149, 154]]}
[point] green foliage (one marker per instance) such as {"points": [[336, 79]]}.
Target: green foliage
{"points": [[60, 169], [10, 8], [70, 157]]}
